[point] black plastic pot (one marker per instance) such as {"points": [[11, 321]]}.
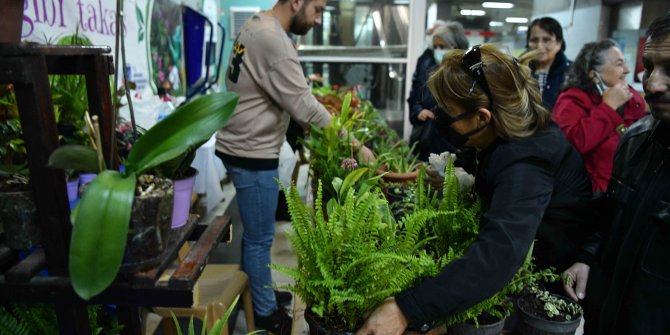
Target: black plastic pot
{"points": [[317, 328], [149, 230], [534, 325], [18, 216], [471, 329]]}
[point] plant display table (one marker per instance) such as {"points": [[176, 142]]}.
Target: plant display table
{"points": [[27, 67]]}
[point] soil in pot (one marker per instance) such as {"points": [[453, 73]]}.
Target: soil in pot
{"points": [[18, 213], [488, 325], [324, 326], [536, 322], [150, 224]]}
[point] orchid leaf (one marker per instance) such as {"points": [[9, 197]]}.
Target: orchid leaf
{"points": [[100, 231], [75, 157], [183, 130]]}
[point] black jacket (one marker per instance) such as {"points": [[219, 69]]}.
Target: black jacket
{"points": [[628, 291], [555, 78], [420, 99], [526, 184]]}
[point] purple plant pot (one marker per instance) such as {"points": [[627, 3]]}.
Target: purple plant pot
{"points": [[86, 178], [183, 189], [73, 190]]}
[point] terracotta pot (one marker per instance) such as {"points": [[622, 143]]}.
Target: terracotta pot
{"points": [[18, 216], [397, 177], [11, 21]]}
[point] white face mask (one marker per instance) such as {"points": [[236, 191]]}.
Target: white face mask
{"points": [[439, 54]]}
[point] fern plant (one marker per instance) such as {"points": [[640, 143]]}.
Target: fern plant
{"points": [[358, 257]]}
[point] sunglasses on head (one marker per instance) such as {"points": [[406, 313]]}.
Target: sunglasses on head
{"points": [[473, 65]]}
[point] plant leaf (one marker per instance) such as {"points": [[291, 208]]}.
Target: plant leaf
{"points": [[75, 157], [185, 128], [99, 232]]}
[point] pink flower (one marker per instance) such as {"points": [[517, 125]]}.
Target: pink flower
{"points": [[349, 164]]}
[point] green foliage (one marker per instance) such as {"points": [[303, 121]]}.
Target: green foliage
{"points": [[102, 218], [555, 306], [216, 328], [358, 257], [12, 147], [40, 319]]}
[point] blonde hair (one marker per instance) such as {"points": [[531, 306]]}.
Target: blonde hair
{"points": [[517, 108]]}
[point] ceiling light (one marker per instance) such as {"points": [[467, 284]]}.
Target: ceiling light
{"points": [[496, 24], [522, 28], [472, 12], [505, 5], [516, 20]]}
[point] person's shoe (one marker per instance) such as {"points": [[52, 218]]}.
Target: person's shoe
{"points": [[278, 323], [283, 298]]}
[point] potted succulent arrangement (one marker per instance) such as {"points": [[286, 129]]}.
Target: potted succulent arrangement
{"points": [[110, 203], [355, 259], [548, 314]]}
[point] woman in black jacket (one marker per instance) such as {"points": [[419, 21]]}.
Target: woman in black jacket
{"points": [[448, 36], [532, 181], [551, 65]]}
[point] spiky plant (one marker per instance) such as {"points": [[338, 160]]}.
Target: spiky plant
{"points": [[358, 257]]}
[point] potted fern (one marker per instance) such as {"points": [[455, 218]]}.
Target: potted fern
{"points": [[101, 221], [355, 259]]}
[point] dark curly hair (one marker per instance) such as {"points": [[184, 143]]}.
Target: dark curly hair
{"points": [[660, 27], [591, 57]]}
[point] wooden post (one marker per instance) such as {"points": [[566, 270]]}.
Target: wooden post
{"points": [[11, 21]]}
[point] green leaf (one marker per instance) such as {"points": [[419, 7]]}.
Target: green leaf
{"points": [[187, 127], [99, 232], [140, 38], [74, 157], [138, 13]]}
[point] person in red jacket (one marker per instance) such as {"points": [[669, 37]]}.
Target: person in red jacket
{"points": [[597, 106]]}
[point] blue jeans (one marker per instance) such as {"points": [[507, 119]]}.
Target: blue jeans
{"points": [[257, 194]]}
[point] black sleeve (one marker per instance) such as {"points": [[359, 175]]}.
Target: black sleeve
{"points": [[521, 194], [419, 80]]}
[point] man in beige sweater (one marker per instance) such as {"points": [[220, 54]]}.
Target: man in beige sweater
{"points": [[265, 71]]}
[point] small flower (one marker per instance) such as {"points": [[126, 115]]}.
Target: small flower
{"points": [[349, 164]]}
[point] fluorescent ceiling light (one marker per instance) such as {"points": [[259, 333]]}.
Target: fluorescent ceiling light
{"points": [[472, 12], [522, 28], [505, 5], [496, 24], [516, 20]]}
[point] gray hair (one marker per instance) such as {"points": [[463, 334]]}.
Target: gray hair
{"points": [[453, 33]]}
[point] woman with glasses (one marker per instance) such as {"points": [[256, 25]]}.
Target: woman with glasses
{"points": [[597, 106], [447, 36], [550, 66], [531, 180]]}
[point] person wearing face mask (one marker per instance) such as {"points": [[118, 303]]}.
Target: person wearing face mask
{"points": [[446, 36], [597, 106], [550, 66], [531, 180], [265, 72]]}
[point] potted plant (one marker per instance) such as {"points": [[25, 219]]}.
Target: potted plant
{"points": [[548, 314], [101, 221], [355, 259], [18, 214]]}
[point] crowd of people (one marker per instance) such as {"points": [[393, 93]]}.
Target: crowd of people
{"points": [[566, 156]]}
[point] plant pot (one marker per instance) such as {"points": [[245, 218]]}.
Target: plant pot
{"points": [[471, 329], [73, 190], [149, 230], [18, 216], [11, 21], [183, 189], [86, 178], [316, 326], [397, 177], [535, 325]]}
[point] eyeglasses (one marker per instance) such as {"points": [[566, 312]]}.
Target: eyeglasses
{"points": [[444, 120], [543, 40], [472, 63]]}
